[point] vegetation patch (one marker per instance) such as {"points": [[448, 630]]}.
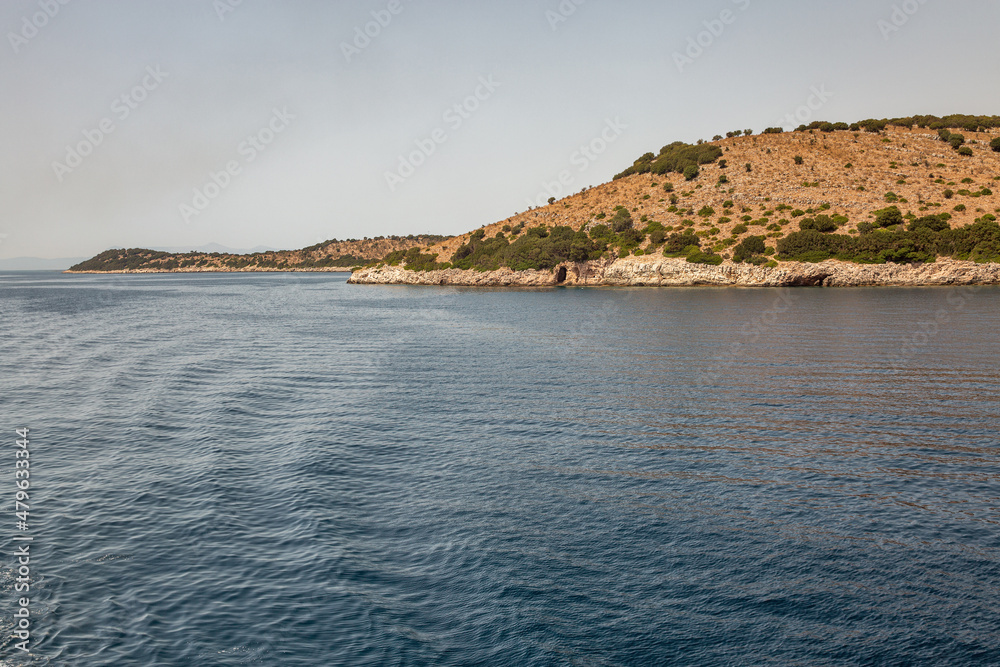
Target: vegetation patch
{"points": [[677, 157], [922, 241]]}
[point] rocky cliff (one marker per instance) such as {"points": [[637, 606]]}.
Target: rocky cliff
{"points": [[666, 272]]}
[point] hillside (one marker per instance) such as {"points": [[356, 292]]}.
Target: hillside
{"points": [[877, 192], [331, 255]]}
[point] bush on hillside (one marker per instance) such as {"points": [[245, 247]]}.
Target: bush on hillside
{"points": [[821, 223], [926, 239], [700, 257], [678, 242], [748, 248], [674, 158], [935, 223], [995, 144], [691, 172], [540, 248], [887, 217], [621, 220]]}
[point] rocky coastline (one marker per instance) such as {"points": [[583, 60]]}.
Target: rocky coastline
{"points": [[650, 271], [216, 269]]}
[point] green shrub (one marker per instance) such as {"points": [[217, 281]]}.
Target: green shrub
{"points": [[600, 232], [934, 223], [891, 197], [945, 134], [679, 242], [723, 179], [888, 217], [740, 229], [749, 167], [699, 257], [706, 211], [965, 150], [960, 208], [748, 248], [948, 194], [668, 187], [956, 140], [798, 159], [995, 144], [675, 157], [821, 223], [414, 260], [621, 220], [691, 172]]}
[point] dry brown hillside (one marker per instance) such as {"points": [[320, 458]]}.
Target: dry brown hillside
{"points": [[852, 172]]}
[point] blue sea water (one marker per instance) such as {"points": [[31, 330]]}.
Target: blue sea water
{"points": [[288, 470]]}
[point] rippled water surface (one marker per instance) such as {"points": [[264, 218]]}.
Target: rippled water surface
{"points": [[287, 470]]}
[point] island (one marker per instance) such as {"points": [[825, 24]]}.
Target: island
{"points": [[901, 201], [329, 256]]}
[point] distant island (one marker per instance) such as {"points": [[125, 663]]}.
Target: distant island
{"points": [[330, 255], [902, 201]]}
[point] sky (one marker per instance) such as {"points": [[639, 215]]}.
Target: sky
{"points": [[280, 124]]}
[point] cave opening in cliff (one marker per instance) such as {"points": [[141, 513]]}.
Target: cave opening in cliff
{"points": [[561, 275]]}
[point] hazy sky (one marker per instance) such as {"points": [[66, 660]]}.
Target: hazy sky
{"points": [[116, 114]]}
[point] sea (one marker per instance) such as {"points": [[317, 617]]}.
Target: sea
{"points": [[284, 469]]}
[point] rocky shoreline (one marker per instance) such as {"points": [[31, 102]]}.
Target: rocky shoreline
{"points": [[649, 271], [216, 270]]}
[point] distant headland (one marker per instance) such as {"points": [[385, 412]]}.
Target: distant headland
{"points": [[333, 255]]}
